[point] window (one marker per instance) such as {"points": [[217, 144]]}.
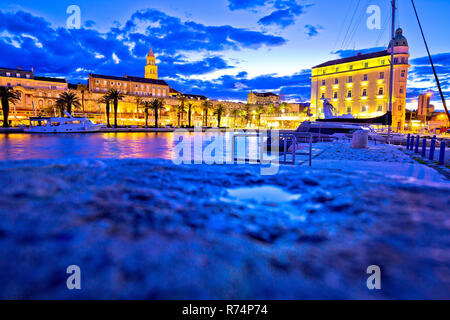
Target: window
{"points": [[335, 95], [8, 74], [403, 73], [380, 108], [324, 82], [323, 96], [351, 67], [349, 94], [118, 83], [380, 91], [395, 60], [18, 75], [364, 94], [349, 109], [337, 69], [399, 107], [336, 81], [28, 76], [364, 109], [105, 82], [381, 75], [97, 81], [19, 94], [401, 89], [366, 65], [350, 79], [383, 61], [403, 60], [365, 77]]}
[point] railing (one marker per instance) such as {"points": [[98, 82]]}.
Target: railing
{"points": [[293, 137], [413, 144]]}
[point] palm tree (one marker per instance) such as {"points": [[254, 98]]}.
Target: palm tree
{"points": [[156, 105], [190, 113], [285, 107], [259, 110], [106, 100], [147, 105], [247, 112], [273, 109], [219, 111], [82, 88], [180, 109], [138, 101], [67, 100], [7, 95], [115, 95], [235, 113], [206, 106]]}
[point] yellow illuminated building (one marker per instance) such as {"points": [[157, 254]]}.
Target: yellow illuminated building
{"points": [[359, 85], [151, 69]]}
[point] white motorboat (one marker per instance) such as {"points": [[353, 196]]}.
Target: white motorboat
{"points": [[67, 124]]}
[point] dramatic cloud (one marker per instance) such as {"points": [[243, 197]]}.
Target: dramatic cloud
{"points": [[31, 41], [284, 14], [312, 31]]}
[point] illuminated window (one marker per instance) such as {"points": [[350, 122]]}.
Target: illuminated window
{"points": [[399, 107], [349, 94], [364, 93], [380, 91], [364, 109], [8, 74]]}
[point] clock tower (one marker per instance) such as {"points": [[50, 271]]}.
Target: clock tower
{"points": [[151, 69]]}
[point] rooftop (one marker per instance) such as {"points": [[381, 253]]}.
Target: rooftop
{"points": [[130, 78], [264, 94], [358, 57]]}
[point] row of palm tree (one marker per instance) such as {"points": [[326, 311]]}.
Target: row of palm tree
{"points": [[7, 95]]}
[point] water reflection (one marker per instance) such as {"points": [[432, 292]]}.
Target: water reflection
{"points": [[98, 145]]}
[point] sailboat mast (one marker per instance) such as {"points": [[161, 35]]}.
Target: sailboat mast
{"points": [[431, 62], [391, 76]]}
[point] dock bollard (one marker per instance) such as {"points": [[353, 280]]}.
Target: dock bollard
{"points": [[424, 147], [407, 141], [432, 147], [442, 153], [412, 143], [416, 150]]}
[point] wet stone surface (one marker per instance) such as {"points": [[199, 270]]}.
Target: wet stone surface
{"points": [[150, 229]]}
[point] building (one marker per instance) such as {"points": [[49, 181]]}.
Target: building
{"points": [[35, 92], [151, 69], [129, 85], [359, 85], [263, 98], [423, 107]]}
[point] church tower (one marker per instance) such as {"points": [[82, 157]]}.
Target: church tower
{"points": [[151, 69]]}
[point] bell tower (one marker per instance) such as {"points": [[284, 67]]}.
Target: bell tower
{"points": [[151, 69]]}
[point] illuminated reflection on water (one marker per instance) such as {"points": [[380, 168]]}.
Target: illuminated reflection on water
{"points": [[98, 145], [136, 145]]}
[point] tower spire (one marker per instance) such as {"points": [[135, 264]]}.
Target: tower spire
{"points": [[151, 69]]}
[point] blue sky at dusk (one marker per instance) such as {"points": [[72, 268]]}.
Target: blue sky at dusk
{"points": [[220, 48]]}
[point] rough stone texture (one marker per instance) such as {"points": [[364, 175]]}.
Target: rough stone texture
{"points": [[150, 229]]}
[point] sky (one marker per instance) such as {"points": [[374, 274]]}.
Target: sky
{"points": [[219, 48]]}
